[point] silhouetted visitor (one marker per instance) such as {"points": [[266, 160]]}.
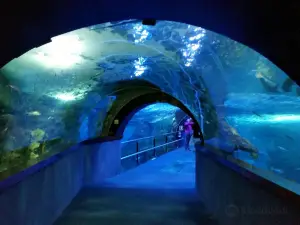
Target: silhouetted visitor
{"points": [[188, 132]]}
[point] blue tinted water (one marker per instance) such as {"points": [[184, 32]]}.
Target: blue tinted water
{"points": [[273, 128], [189, 63]]}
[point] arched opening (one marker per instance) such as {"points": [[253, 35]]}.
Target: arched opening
{"points": [[133, 98], [116, 124], [151, 132]]}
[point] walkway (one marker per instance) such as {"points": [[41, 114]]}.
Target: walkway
{"points": [[162, 191]]}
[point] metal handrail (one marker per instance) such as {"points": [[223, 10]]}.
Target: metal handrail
{"points": [[150, 149], [138, 139]]}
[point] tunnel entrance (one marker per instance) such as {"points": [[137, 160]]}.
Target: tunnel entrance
{"points": [[139, 107], [151, 132], [131, 97]]}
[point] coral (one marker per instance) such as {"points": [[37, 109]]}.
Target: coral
{"points": [[33, 155], [43, 147], [37, 134], [34, 146]]}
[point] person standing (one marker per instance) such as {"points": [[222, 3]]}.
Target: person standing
{"points": [[188, 131]]}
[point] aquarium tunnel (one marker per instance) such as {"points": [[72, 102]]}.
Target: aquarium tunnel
{"points": [[128, 81]]}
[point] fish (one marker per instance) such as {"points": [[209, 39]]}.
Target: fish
{"points": [[34, 113], [4, 131], [277, 170], [13, 88], [288, 137], [87, 57], [282, 148], [255, 113]]}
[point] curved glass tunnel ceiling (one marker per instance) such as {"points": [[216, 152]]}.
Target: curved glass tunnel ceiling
{"points": [[54, 91]]}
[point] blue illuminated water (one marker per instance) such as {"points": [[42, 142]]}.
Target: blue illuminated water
{"points": [[273, 128], [61, 93]]}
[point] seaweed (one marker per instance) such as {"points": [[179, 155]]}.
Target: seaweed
{"points": [[12, 162]]}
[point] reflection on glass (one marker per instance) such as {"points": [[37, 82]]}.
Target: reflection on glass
{"points": [[65, 96], [193, 44], [140, 33], [63, 52], [54, 96], [139, 66]]}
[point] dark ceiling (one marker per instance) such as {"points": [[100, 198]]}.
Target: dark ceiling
{"points": [[270, 27]]}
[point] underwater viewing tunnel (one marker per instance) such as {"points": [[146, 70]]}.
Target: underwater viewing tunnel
{"points": [[99, 81], [49, 93]]}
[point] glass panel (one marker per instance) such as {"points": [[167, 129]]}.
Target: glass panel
{"points": [[52, 96]]}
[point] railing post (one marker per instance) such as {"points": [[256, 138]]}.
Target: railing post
{"points": [[137, 150], [166, 150], [154, 150]]}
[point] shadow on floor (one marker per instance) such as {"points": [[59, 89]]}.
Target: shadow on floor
{"points": [[118, 206]]}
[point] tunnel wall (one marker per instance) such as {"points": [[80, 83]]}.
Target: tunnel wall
{"points": [[41, 197], [102, 161], [235, 198]]}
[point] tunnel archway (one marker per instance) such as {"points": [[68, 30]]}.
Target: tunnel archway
{"points": [[118, 119], [211, 75], [130, 97], [151, 132]]}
